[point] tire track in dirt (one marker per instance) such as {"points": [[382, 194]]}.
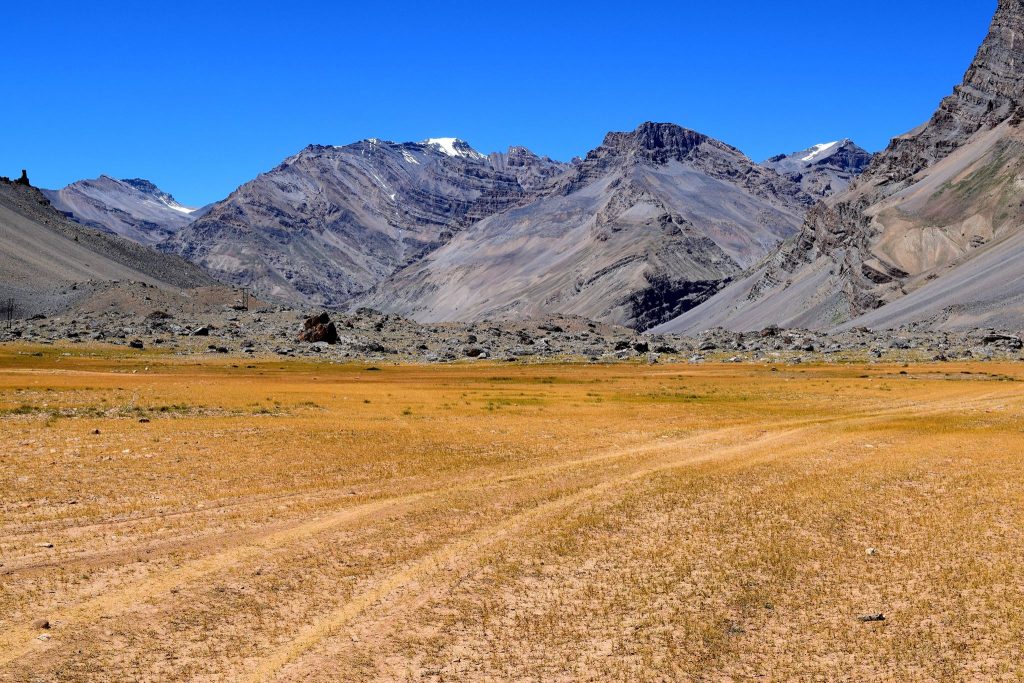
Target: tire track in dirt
{"points": [[18, 642], [102, 558], [99, 559], [72, 525], [475, 544], [468, 549]]}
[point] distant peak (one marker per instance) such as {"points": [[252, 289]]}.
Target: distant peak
{"points": [[656, 141], [453, 147], [652, 135], [148, 188], [817, 154], [142, 185], [820, 149]]}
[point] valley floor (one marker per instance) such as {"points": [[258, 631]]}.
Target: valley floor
{"points": [[223, 519]]}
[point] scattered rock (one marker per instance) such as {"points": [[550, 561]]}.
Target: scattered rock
{"points": [[871, 618], [42, 624]]}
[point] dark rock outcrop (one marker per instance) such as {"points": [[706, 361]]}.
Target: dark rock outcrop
{"points": [[319, 328]]}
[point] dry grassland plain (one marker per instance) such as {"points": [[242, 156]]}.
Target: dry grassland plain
{"points": [[194, 519]]}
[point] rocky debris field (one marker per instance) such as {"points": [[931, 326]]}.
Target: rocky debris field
{"points": [[368, 335]]}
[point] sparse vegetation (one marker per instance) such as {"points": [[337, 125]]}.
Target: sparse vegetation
{"points": [[548, 523]]}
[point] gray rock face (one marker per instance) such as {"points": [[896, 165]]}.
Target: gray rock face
{"points": [[534, 173], [823, 170], [992, 92], [650, 224], [135, 209], [936, 218], [331, 222]]}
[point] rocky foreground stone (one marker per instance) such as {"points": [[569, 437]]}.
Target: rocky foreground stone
{"points": [[371, 336]]}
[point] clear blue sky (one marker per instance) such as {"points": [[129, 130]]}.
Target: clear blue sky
{"points": [[201, 96]]}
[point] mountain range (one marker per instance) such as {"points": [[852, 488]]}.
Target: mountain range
{"points": [[330, 223], [648, 225], [660, 227]]}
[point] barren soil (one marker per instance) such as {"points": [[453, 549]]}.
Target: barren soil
{"points": [[225, 519]]}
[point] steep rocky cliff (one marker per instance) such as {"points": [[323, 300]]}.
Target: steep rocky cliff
{"points": [[935, 200]]}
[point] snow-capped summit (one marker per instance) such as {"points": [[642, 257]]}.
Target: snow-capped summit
{"points": [[818, 150], [454, 147], [824, 169]]}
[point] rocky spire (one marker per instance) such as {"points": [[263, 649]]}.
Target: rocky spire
{"points": [[991, 92]]}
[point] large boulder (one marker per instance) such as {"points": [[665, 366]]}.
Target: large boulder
{"points": [[319, 328]]}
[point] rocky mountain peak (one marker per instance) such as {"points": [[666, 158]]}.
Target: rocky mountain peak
{"points": [[521, 153], [453, 147], [657, 142], [992, 91], [142, 185], [925, 234], [146, 187], [824, 169], [134, 208]]}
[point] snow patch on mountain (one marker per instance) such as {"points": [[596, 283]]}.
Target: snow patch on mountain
{"points": [[454, 147], [818, 150]]}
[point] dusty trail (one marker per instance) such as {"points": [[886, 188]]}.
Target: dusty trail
{"points": [[430, 574], [18, 642], [466, 550], [392, 593], [231, 539]]}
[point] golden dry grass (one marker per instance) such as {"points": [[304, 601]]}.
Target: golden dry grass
{"points": [[286, 521]]}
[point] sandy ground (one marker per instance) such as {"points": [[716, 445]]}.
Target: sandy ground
{"points": [[221, 520]]}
